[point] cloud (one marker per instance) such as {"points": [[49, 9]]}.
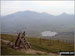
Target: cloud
{"points": [[51, 7]]}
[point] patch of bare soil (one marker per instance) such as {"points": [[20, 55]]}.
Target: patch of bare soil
{"points": [[31, 51]]}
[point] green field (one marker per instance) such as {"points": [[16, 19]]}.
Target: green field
{"points": [[45, 45]]}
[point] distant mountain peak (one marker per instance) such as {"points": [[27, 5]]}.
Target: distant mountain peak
{"points": [[64, 14], [45, 13], [28, 11]]}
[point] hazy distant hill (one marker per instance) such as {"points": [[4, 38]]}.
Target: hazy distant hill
{"points": [[34, 23]]}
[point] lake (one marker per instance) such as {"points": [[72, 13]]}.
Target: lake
{"points": [[49, 33]]}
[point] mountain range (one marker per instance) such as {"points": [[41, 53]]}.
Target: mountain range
{"points": [[34, 23]]}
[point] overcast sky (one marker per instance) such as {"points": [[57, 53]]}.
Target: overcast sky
{"points": [[51, 7]]}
